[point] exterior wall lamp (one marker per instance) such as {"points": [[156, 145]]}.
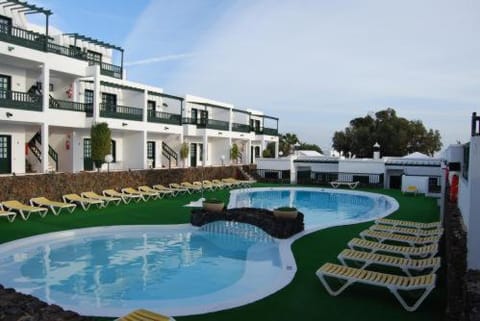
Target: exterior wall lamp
{"points": [[8, 114], [124, 124]]}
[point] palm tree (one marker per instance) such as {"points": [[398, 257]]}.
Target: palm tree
{"points": [[286, 142]]}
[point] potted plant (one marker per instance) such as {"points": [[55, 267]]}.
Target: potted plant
{"points": [[213, 205], [235, 153], [101, 143], [285, 212], [184, 152]]}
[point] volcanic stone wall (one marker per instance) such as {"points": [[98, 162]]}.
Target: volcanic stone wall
{"points": [[53, 186]]}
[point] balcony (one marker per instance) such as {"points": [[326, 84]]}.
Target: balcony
{"points": [[164, 118], [265, 131], [207, 123], [20, 100], [111, 70], [71, 106], [240, 128], [121, 112]]}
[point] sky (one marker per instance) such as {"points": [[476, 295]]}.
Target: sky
{"points": [[315, 64]]}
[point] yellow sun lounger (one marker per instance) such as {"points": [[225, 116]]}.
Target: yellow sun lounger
{"points": [[222, 184], [214, 185], [191, 188], [24, 210], [406, 230], [417, 225], [162, 188], [106, 199], [55, 207], [405, 251], [84, 202], [411, 189], [179, 188], [145, 196], [144, 315], [9, 215], [148, 189], [205, 185], [126, 198], [234, 182], [391, 237], [406, 265], [394, 283]]}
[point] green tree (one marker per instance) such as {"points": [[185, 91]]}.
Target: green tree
{"points": [[234, 152], [305, 146], [269, 151], [287, 142], [184, 152], [397, 136], [101, 143]]}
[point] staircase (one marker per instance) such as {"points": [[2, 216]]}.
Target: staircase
{"points": [[247, 175], [169, 154], [33, 146], [35, 91]]}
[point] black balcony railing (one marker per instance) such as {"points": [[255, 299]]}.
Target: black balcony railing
{"points": [[121, 112], [206, 123], [240, 128], [111, 70], [265, 131], [72, 106], [164, 118], [20, 100]]}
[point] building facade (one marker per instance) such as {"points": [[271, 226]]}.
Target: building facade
{"points": [[54, 86]]}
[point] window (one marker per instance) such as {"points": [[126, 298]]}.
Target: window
{"points": [[113, 151], [194, 114], [151, 105], [466, 159], [5, 83], [88, 96], [87, 148], [5, 24], [94, 57], [109, 102], [200, 150]]}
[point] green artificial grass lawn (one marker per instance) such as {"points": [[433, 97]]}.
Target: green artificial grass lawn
{"points": [[304, 298]]}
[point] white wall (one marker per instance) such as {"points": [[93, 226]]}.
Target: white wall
{"points": [[133, 151], [420, 182], [361, 166], [276, 164], [473, 235]]}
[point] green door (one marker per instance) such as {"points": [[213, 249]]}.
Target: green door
{"points": [[151, 153], [5, 154], [87, 155]]}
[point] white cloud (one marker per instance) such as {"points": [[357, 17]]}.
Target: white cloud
{"points": [[318, 64], [152, 60]]}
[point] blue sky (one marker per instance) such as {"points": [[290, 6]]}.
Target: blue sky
{"points": [[315, 64]]}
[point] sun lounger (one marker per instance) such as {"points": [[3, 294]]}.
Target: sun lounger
{"points": [[393, 283], [214, 185], [106, 199], [239, 182], [145, 196], [171, 191], [223, 184], [417, 225], [126, 198], [352, 185], [405, 251], [179, 188], [84, 202], [391, 237], [406, 230], [9, 215], [190, 187], [234, 182], [55, 207], [144, 315], [204, 185], [411, 189], [406, 265], [153, 192], [24, 210]]}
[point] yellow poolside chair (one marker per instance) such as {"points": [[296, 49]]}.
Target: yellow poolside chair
{"points": [[160, 187], [106, 199], [405, 251], [223, 184], [214, 185], [406, 230], [234, 182], [406, 265], [411, 189], [148, 189], [7, 214], [55, 207], [24, 210], [204, 185], [394, 283], [391, 237], [84, 202], [411, 224], [191, 187], [145, 196], [126, 198], [144, 315]]}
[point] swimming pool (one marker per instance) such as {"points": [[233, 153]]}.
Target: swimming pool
{"points": [[322, 207], [177, 269]]}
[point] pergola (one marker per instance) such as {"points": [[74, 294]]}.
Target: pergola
{"points": [[26, 8]]}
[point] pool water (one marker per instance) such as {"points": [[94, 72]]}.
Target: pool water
{"points": [[321, 207]]}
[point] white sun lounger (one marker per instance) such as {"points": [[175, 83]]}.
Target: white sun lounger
{"points": [[391, 237], [394, 283], [9, 215], [144, 196], [106, 199], [179, 188], [55, 207], [166, 190], [352, 185], [406, 265], [84, 202], [126, 198], [405, 251], [25, 210]]}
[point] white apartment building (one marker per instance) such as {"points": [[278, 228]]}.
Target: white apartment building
{"points": [[54, 86]]}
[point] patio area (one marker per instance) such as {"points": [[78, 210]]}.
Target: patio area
{"points": [[304, 298]]}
